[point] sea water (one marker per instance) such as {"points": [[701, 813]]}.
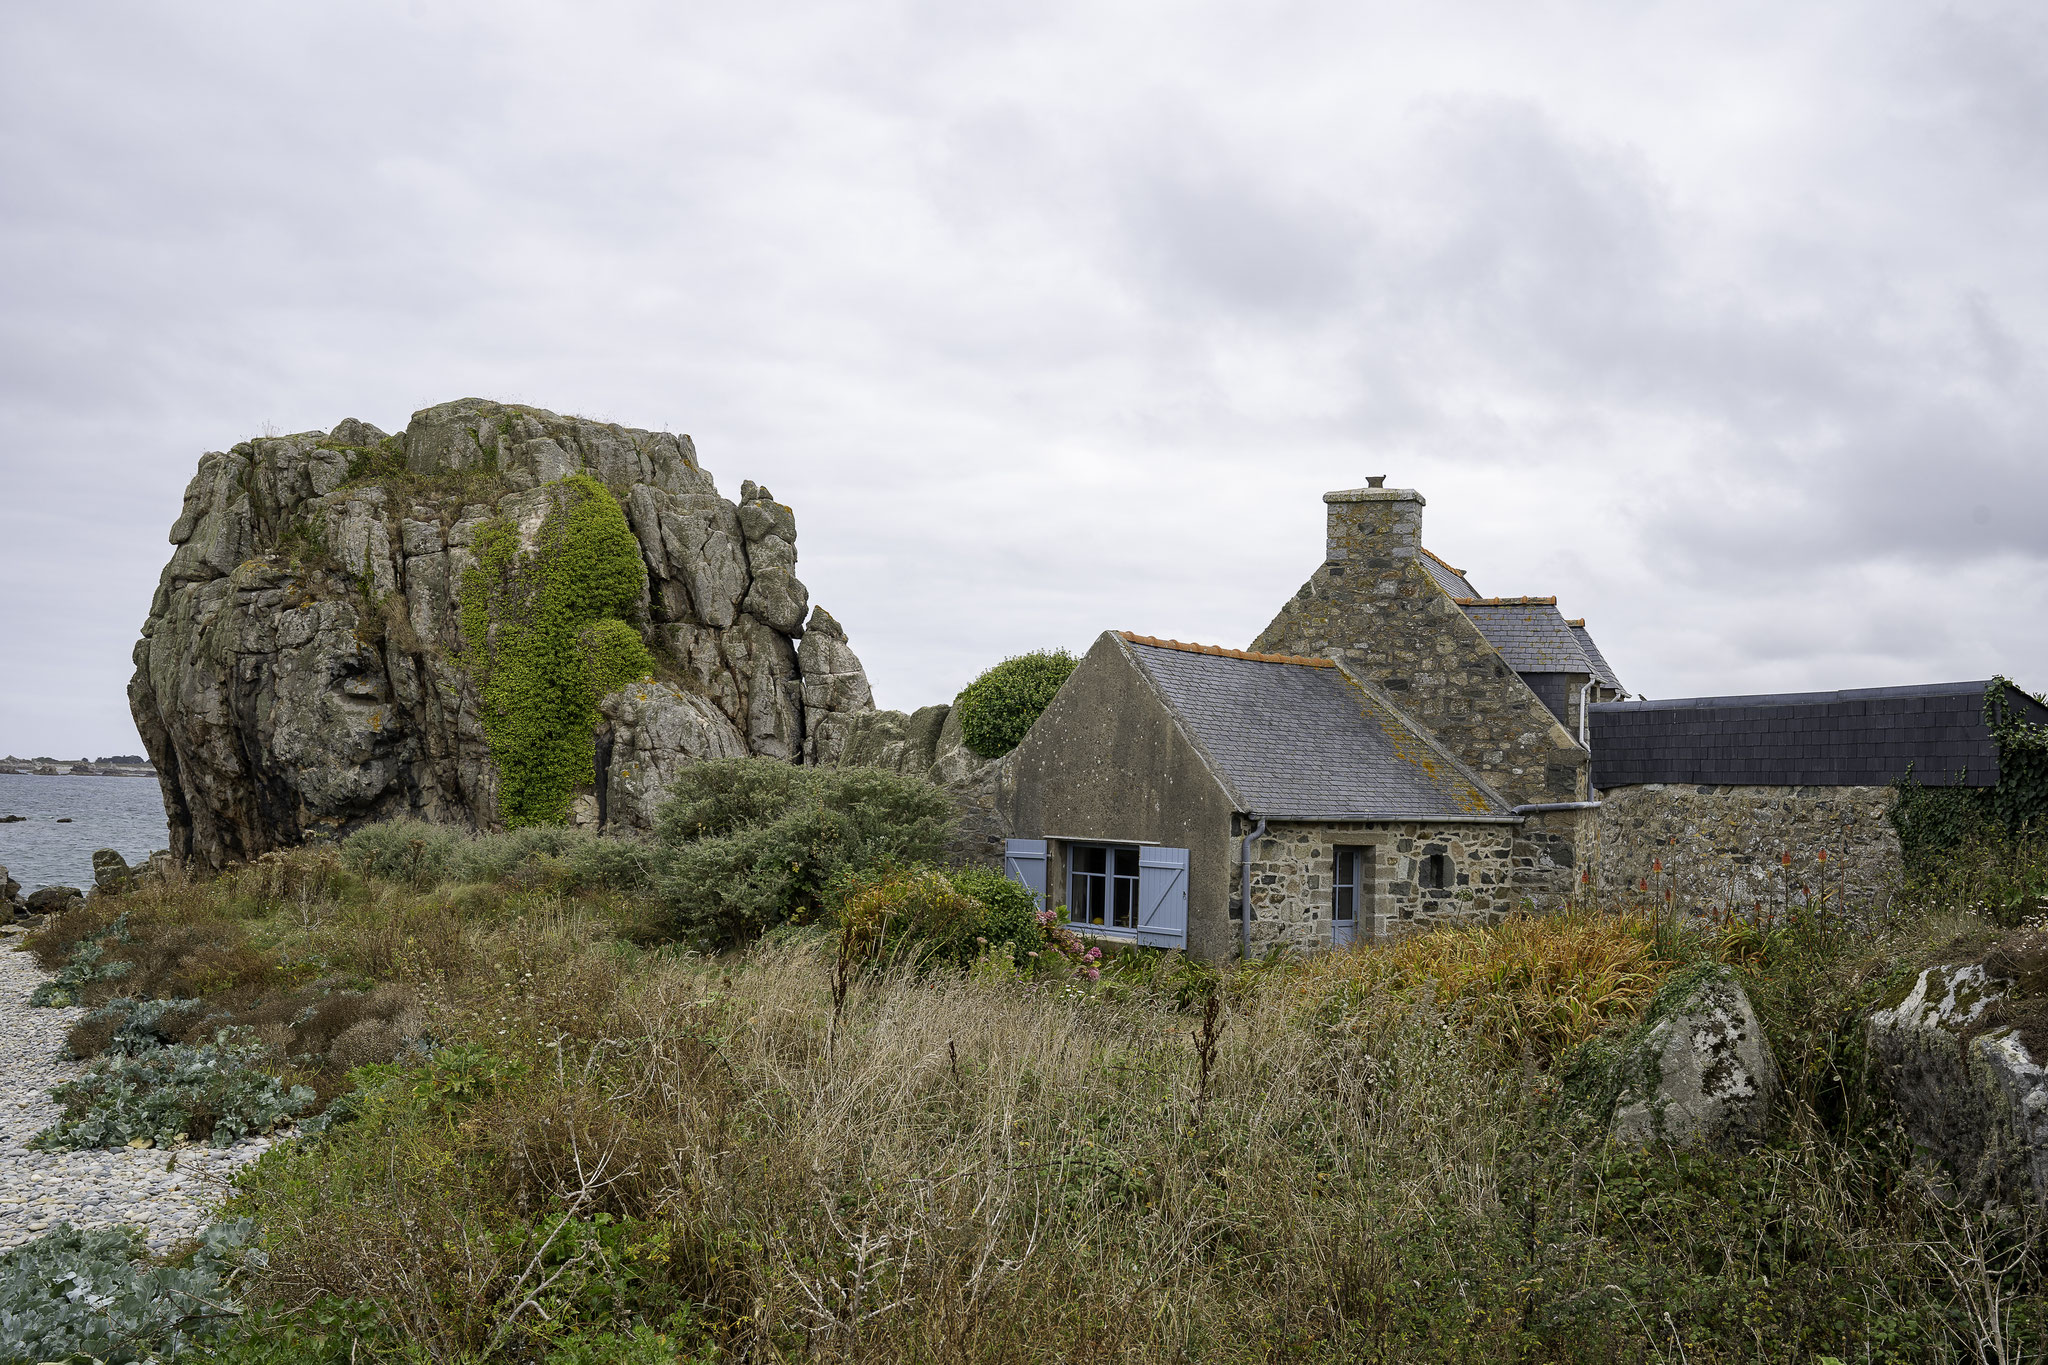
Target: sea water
{"points": [[122, 813]]}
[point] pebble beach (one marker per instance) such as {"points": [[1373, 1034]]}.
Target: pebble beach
{"points": [[171, 1193]]}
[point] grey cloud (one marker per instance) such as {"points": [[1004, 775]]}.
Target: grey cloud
{"points": [[1055, 318]]}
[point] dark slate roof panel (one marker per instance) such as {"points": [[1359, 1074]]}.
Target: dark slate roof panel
{"points": [[1601, 668], [1451, 580], [1862, 738], [1531, 636], [1303, 741]]}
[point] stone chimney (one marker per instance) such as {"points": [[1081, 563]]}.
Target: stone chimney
{"points": [[1374, 532]]}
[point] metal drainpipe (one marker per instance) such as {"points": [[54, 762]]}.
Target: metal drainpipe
{"points": [[1586, 717], [1244, 867], [1542, 806]]}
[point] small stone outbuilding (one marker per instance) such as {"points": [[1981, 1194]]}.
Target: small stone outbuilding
{"points": [[1160, 766]]}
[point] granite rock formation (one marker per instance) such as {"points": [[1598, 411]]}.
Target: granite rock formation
{"points": [[1702, 1076], [303, 668]]}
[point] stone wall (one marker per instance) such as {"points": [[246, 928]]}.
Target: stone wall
{"points": [[1716, 848], [1293, 864], [1373, 603]]}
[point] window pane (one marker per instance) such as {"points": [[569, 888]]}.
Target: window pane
{"points": [[1127, 862], [1126, 916], [1089, 858]]}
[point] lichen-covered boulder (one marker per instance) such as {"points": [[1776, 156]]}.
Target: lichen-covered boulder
{"points": [[10, 895], [308, 665], [1701, 1076], [658, 730], [111, 874], [1964, 1058]]}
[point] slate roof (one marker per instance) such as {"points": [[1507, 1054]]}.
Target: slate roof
{"points": [[1299, 739], [1601, 669], [1529, 633], [1452, 581], [1861, 738]]}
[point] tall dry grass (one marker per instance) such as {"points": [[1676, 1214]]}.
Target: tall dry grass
{"points": [[1533, 986]]}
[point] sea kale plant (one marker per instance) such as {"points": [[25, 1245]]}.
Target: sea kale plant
{"points": [[207, 1092]]}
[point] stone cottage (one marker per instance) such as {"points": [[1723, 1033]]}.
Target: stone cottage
{"points": [[1393, 751], [1170, 781], [1396, 749]]}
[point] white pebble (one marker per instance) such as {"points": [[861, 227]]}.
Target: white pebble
{"points": [[94, 1189]]}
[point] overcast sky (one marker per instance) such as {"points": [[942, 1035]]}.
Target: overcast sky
{"points": [[1722, 322]]}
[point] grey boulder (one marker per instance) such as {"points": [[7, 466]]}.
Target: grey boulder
{"points": [[1963, 1059], [52, 899], [1701, 1076], [110, 872]]}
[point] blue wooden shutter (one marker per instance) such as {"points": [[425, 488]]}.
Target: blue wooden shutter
{"points": [[1163, 897], [1024, 863]]}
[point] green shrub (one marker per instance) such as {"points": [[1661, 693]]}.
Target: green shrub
{"points": [[77, 1295], [206, 1092], [998, 708], [749, 843], [915, 910], [546, 636], [1009, 912], [411, 851]]}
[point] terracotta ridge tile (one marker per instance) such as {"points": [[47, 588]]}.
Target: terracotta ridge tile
{"points": [[1441, 560], [1505, 601], [1221, 652]]}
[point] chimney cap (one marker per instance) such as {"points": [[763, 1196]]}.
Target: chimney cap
{"points": [[1375, 481], [1376, 493]]}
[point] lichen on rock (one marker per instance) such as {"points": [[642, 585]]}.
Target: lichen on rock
{"points": [[1963, 1055], [1702, 1074], [314, 658]]}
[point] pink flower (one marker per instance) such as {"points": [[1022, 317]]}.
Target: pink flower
{"points": [[1095, 973], [1094, 953]]}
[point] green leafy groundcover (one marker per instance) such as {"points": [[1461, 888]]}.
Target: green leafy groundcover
{"points": [[202, 1092], [78, 1295], [547, 633], [998, 708]]}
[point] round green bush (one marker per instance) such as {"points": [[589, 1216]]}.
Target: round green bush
{"points": [[1009, 912], [997, 708]]}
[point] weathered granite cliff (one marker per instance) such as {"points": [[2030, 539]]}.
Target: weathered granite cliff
{"points": [[332, 640]]}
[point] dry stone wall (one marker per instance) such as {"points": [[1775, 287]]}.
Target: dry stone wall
{"points": [[1721, 848], [303, 667]]}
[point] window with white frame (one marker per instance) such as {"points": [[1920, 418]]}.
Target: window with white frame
{"points": [[1102, 886]]}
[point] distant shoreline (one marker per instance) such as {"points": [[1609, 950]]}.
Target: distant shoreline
{"points": [[21, 769]]}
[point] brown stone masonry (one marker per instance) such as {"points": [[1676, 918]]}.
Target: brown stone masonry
{"points": [[1373, 603], [1294, 861]]}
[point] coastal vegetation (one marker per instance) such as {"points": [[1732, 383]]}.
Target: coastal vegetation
{"points": [[997, 708], [580, 1100], [546, 632]]}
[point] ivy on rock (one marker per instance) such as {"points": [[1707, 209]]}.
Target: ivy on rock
{"points": [[547, 636]]}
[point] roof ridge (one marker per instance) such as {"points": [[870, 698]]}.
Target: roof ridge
{"points": [[1505, 601], [1441, 560], [1221, 652]]}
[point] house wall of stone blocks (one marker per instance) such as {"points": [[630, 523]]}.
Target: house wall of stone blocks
{"points": [[1747, 847], [1373, 603], [1293, 866]]}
